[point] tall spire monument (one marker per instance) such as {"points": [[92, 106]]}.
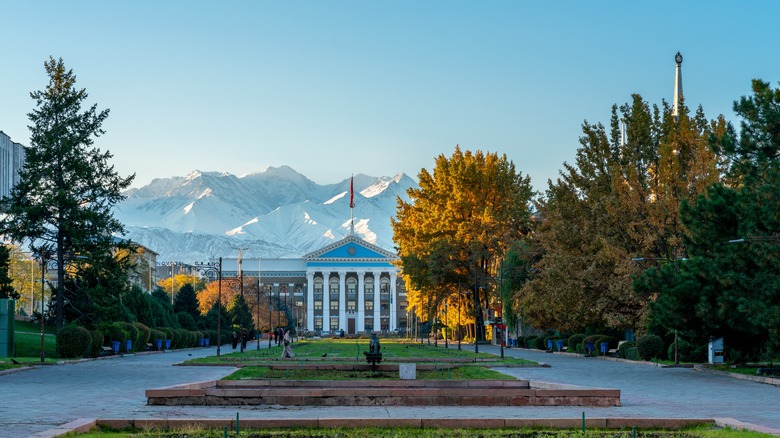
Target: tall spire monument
{"points": [[678, 92]]}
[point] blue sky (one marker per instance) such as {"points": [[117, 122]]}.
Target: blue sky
{"points": [[333, 88]]}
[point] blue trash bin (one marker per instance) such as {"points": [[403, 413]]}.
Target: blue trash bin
{"points": [[206, 340], [549, 344], [202, 342], [128, 345], [115, 346], [559, 344], [604, 347], [167, 344], [158, 343]]}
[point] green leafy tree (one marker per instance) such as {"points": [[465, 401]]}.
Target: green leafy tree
{"points": [[62, 203], [731, 289], [6, 287], [457, 228], [187, 301]]}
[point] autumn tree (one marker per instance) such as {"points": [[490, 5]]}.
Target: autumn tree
{"points": [[729, 286], [67, 189], [618, 201], [457, 227]]}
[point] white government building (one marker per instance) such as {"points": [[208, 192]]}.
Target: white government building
{"points": [[349, 285]]}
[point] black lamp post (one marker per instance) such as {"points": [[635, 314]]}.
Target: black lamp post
{"points": [[270, 323], [210, 269]]}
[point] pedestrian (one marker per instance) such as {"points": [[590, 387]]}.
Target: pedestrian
{"points": [[234, 340], [287, 353]]}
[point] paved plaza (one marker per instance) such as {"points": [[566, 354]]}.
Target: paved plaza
{"points": [[42, 398]]}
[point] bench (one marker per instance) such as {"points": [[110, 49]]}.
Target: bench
{"points": [[373, 359], [106, 351]]}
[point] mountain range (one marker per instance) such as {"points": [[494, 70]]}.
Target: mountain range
{"points": [[275, 213]]}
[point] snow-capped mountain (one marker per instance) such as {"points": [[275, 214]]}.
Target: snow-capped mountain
{"points": [[274, 213]]}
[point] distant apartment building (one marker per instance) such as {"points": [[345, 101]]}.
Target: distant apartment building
{"points": [[12, 156]]}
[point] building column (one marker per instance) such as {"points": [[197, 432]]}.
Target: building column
{"points": [[310, 301], [393, 302], [361, 304], [377, 304], [326, 301], [343, 300]]}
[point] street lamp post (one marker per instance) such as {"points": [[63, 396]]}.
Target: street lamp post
{"points": [[211, 269]]}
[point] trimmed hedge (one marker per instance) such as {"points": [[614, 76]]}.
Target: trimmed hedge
{"points": [[650, 347], [74, 341], [575, 340], [532, 342], [145, 334], [114, 332], [624, 347], [98, 338]]}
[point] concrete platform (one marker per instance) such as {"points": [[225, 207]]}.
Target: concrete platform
{"points": [[380, 393]]}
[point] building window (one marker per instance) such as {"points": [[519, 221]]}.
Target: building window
{"points": [[351, 305], [351, 286], [369, 288], [317, 323], [317, 304], [385, 285], [334, 285], [334, 305], [334, 324], [369, 306], [384, 307], [318, 285]]}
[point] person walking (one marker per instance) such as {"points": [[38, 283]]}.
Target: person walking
{"points": [[287, 353]]}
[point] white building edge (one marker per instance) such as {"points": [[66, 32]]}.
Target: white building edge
{"points": [[349, 285]]}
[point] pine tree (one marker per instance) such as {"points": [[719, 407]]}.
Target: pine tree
{"points": [[62, 203], [187, 301], [239, 312]]}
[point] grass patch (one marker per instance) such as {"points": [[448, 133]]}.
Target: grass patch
{"points": [[469, 372], [699, 432], [27, 337], [339, 350]]}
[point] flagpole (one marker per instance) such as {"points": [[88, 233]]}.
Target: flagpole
{"points": [[352, 205]]}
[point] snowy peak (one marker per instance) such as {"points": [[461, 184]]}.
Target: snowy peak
{"points": [[277, 211]]}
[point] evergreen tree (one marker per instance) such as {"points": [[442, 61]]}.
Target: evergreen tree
{"points": [[239, 312], [62, 203], [6, 288], [162, 310], [210, 318], [730, 285], [618, 201], [187, 301]]}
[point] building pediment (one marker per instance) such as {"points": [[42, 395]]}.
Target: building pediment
{"points": [[351, 248]]}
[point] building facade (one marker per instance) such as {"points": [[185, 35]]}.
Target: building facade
{"points": [[350, 285], [12, 156]]}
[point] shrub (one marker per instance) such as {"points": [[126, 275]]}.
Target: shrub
{"points": [[531, 342], [98, 338], [650, 347], [169, 334], [132, 333], [574, 341], [73, 341], [624, 347], [113, 332], [632, 353], [145, 334], [688, 351]]}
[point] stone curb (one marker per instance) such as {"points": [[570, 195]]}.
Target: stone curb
{"points": [[83, 425], [758, 379]]}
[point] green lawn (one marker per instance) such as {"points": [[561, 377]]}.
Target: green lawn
{"points": [[340, 350], [468, 372], [27, 337]]}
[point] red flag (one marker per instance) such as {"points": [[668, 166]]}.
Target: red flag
{"points": [[352, 192]]}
